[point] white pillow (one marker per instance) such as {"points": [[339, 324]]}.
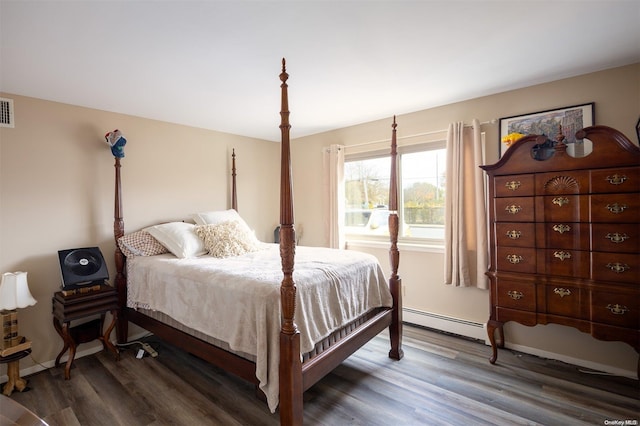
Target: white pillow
{"points": [[179, 238], [220, 216]]}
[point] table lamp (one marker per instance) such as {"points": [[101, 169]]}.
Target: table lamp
{"points": [[14, 294]]}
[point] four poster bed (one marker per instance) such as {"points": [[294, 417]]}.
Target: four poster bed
{"points": [[292, 333]]}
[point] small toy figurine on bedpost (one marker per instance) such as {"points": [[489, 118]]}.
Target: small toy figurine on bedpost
{"points": [[291, 407], [117, 142], [395, 283]]}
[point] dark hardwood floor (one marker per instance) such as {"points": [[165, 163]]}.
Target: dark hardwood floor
{"points": [[442, 380]]}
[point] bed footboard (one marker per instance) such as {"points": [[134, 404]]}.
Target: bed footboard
{"points": [[341, 344]]}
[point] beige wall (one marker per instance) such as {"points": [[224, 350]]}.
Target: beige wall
{"points": [[616, 94], [57, 183]]}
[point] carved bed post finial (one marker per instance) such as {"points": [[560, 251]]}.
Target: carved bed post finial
{"points": [[290, 373], [393, 203], [395, 283], [120, 281], [118, 221], [287, 231], [116, 141], [234, 197]]}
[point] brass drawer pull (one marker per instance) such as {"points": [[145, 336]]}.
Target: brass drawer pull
{"points": [[513, 185], [562, 255], [562, 292], [561, 228], [514, 235], [560, 201], [616, 237], [617, 309], [618, 267], [515, 295], [513, 209], [616, 208], [514, 259], [616, 179]]}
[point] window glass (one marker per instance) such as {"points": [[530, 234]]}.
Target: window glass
{"points": [[421, 174], [423, 185], [367, 196]]}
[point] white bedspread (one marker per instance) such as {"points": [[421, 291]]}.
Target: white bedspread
{"points": [[237, 299]]}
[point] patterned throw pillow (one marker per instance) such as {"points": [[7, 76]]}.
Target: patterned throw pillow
{"points": [[140, 243], [227, 239]]}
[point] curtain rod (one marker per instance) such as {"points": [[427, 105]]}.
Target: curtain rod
{"points": [[494, 121]]}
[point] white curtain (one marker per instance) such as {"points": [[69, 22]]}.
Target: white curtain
{"points": [[333, 164], [466, 248]]}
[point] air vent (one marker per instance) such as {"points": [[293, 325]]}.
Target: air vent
{"points": [[6, 112]]}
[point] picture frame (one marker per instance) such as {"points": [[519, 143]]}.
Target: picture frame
{"points": [[547, 122], [638, 129]]}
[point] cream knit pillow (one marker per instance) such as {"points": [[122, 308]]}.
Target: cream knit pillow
{"points": [[227, 239]]}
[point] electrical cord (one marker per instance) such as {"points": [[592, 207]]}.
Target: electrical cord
{"points": [[133, 342], [38, 362], [144, 347]]}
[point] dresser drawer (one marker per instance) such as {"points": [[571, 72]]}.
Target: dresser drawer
{"points": [[615, 208], [619, 309], [514, 185], [566, 301], [566, 263], [516, 295], [616, 237], [515, 234], [565, 182], [615, 180], [516, 259], [562, 208], [616, 267], [563, 235], [514, 209]]}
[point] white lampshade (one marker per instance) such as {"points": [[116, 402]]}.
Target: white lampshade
{"points": [[14, 291]]}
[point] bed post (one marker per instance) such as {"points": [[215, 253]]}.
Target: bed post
{"points": [[291, 412], [395, 283], [122, 329], [234, 197]]}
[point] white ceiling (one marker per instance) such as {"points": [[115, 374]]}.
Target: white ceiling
{"points": [[215, 64]]}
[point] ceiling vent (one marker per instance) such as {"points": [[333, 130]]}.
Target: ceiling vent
{"points": [[6, 112]]}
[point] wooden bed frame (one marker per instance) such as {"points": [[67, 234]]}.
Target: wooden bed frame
{"points": [[296, 374]]}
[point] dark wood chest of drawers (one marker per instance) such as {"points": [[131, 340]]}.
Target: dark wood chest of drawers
{"points": [[565, 238]]}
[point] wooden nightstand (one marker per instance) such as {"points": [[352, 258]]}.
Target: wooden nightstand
{"points": [[81, 306]]}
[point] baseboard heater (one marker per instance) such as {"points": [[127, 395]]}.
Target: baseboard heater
{"points": [[461, 327]]}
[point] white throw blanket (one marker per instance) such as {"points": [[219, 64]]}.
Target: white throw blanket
{"points": [[237, 299]]}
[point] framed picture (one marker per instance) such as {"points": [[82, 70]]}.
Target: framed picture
{"points": [[571, 118], [638, 129]]}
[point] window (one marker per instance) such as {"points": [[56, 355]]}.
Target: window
{"points": [[421, 173]]}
